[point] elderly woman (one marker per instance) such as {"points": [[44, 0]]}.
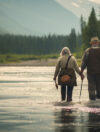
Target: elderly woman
{"points": [[61, 64]]}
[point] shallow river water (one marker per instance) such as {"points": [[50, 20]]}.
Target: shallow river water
{"points": [[29, 102]]}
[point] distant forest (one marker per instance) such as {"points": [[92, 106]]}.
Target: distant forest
{"points": [[18, 44], [50, 44]]}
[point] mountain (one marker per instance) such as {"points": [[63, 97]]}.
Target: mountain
{"points": [[36, 17], [81, 7]]}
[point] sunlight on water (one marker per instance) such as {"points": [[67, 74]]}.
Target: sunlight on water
{"points": [[30, 102]]}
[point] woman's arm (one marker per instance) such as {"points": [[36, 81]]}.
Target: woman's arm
{"points": [[76, 67], [57, 69]]}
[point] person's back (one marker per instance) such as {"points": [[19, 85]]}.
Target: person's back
{"points": [[91, 60], [61, 65], [93, 63], [72, 63]]}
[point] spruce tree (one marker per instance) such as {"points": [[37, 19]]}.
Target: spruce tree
{"points": [[91, 29], [72, 40], [83, 24]]}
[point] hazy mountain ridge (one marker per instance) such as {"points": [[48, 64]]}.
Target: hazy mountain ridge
{"points": [[36, 17], [81, 7]]}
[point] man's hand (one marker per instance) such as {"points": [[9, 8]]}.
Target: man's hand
{"points": [[82, 76]]}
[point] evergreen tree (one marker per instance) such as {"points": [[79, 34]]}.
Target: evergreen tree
{"points": [[90, 29], [92, 25], [83, 24], [72, 40]]}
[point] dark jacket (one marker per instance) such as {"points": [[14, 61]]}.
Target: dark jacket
{"points": [[91, 60]]}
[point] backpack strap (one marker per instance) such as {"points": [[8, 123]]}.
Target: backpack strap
{"points": [[68, 61]]}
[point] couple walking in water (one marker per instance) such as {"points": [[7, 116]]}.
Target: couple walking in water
{"points": [[67, 66]]}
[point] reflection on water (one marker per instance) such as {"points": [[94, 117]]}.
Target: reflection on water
{"points": [[64, 121], [29, 102], [73, 121]]}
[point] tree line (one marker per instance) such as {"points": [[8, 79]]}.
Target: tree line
{"points": [[18, 44], [50, 44]]}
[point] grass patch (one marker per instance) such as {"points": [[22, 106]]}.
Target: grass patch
{"points": [[15, 58]]}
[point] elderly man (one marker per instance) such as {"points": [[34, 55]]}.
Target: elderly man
{"points": [[91, 60]]}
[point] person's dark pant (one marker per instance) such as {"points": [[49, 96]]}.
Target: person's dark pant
{"points": [[94, 86], [69, 93]]}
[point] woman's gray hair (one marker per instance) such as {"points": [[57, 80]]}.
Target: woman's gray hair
{"points": [[65, 51]]}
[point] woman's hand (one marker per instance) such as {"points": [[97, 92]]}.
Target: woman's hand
{"points": [[56, 85], [54, 78]]}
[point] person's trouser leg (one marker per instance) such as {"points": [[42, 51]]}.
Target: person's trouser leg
{"points": [[97, 86], [69, 93], [63, 92], [91, 86]]}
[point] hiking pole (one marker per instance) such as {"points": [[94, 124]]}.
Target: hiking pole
{"points": [[81, 89]]}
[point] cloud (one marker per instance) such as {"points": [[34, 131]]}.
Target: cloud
{"points": [[62, 3], [95, 1], [71, 5], [74, 4]]}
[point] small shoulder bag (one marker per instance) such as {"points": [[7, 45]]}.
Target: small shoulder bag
{"points": [[67, 75]]}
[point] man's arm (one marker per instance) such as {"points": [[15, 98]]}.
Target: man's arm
{"points": [[84, 60]]}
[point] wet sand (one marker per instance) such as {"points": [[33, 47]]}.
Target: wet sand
{"points": [[29, 102]]}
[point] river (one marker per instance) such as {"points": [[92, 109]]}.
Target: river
{"points": [[29, 102]]}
